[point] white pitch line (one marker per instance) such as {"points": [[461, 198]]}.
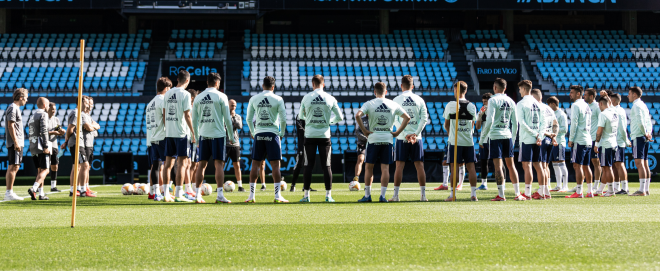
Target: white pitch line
{"points": [[61, 191]]}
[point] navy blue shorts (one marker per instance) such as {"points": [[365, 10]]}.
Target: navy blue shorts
{"points": [[500, 148], [593, 153], [640, 148], [606, 156], [546, 150], [465, 154], [558, 153], [529, 153], [158, 151], [484, 152], [176, 147], [404, 151], [379, 152], [620, 154], [212, 148], [581, 154], [266, 146]]}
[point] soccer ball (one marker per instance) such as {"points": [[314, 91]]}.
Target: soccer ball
{"points": [[136, 186], [127, 189], [142, 189], [354, 186], [206, 189], [282, 186], [229, 186]]}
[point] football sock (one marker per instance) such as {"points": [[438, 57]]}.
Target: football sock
{"points": [[484, 182], [35, 186], [528, 189], [383, 190], [590, 188], [328, 193], [642, 185], [547, 189], [648, 185], [541, 190], [396, 191], [601, 187], [177, 191], [461, 175], [624, 185], [253, 186], [367, 190], [306, 194], [157, 189], [198, 195], [240, 183], [500, 190], [188, 187], [53, 178], [221, 195], [86, 187], [9, 192], [263, 185], [616, 186], [277, 190], [422, 189], [578, 189], [445, 175], [473, 189], [53, 184], [564, 174], [558, 174], [610, 188], [596, 184], [40, 191], [516, 188]]}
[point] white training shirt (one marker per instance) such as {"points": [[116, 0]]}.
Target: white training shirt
{"points": [[415, 107], [270, 112], [177, 101], [465, 127], [154, 118], [381, 113], [315, 109], [609, 120]]}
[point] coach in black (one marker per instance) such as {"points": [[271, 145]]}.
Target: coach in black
{"points": [[39, 147]]}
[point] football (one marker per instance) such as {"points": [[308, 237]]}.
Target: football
{"points": [[142, 189], [282, 186], [354, 186], [136, 186], [127, 189], [206, 189], [229, 186]]}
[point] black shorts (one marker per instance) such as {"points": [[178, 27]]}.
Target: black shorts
{"points": [[54, 161], [15, 158], [89, 152], [361, 149], [41, 160], [82, 154], [233, 154]]}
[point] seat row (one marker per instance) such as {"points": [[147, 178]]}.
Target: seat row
{"points": [[346, 53]]}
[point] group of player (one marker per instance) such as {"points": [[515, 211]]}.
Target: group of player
{"points": [[43, 130], [188, 128]]}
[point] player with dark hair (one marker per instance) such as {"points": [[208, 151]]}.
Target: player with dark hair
{"points": [[155, 119], [590, 99], [54, 130], [194, 156], [580, 141], [640, 133], [558, 153], [381, 112], [316, 109], [620, 173], [267, 133], [178, 125], [531, 122], [550, 131], [483, 151], [605, 144]]}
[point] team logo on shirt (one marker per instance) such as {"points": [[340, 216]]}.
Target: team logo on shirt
{"points": [[535, 114], [206, 112], [172, 110], [264, 103], [383, 109], [318, 100], [206, 100], [264, 115], [382, 120], [409, 102], [318, 112]]}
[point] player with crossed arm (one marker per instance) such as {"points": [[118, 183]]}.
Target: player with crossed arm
{"points": [[415, 107], [580, 141], [640, 133], [267, 132], [499, 132], [558, 153], [620, 172], [605, 144], [212, 122], [467, 116], [39, 147], [531, 124], [178, 124], [549, 142], [381, 112], [315, 109]]}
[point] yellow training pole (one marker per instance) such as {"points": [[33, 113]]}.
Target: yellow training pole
{"points": [[455, 170], [78, 131]]}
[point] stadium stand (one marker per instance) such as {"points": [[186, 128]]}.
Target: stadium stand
{"points": [[48, 63], [198, 43], [487, 44]]}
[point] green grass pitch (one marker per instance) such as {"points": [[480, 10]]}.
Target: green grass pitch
{"points": [[128, 232]]}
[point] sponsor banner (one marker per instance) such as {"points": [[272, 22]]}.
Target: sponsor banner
{"points": [[489, 71], [198, 69], [465, 4]]}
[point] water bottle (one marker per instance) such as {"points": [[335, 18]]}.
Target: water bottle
{"points": [[60, 153]]}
